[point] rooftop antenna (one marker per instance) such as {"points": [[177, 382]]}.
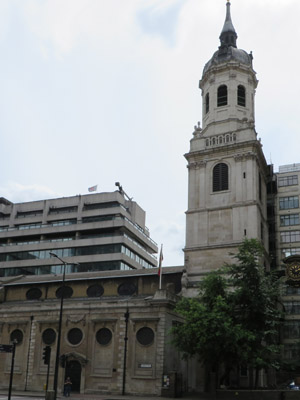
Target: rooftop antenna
{"points": [[118, 184]]}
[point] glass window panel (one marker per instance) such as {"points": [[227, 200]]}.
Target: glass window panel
{"points": [[288, 180], [290, 252], [288, 220], [290, 236], [288, 202]]}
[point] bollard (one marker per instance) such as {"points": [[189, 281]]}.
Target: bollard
{"points": [[50, 395]]}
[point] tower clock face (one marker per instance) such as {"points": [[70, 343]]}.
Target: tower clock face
{"points": [[293, 271]]}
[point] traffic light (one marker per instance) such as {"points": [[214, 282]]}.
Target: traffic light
{"points": [[46, 354], [62, 361]]}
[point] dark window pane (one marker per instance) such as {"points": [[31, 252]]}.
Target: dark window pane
{"points": [[220, 177], [95, 291], [222, 95], [207, 103], [145, 336], [241, 96], [103, 336], [67, 292], [33, 294], [126, 289], [16, 335], [49, 336], [75, 336]]}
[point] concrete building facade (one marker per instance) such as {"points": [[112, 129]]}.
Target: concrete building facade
{"points": [[287, 210], [288, 252], [102, 312], [95, 232]]}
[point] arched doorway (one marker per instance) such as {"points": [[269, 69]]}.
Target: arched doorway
{"points": [[73, 370]]}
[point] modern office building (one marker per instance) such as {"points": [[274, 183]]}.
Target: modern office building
{"points": [[288, 248], [95, 232], [287, 211]]}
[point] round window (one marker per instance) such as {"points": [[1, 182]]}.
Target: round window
{"points": [[126, 289], [49, 336], [145, 336], [95, 291], [16, 335], [75, 336], [33, 294], [66, 290], [103, 336]]}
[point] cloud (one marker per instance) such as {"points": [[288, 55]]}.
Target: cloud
{"points": [[161, 18], [65, 24], [18, 193], [95, 91], [171, 232]]}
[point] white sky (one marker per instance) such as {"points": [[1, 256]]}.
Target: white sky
{"points": [[99, 91]]}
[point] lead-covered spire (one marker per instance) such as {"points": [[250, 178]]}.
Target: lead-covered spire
{"points": [[228, 35]]}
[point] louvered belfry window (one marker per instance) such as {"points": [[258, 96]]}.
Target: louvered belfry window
{"points": [[220, 177], [207, 103], [222, 95], [241, 96]]}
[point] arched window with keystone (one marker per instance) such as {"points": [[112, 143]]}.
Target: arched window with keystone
{"points": [[220, 177]]}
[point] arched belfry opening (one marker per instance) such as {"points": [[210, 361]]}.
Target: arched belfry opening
{"points": [[241, 96], [222, 96]]}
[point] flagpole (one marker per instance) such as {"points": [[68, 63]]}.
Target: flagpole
{"points": [[160, 266]]}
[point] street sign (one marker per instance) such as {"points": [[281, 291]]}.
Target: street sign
{"points": [[6, 348]]}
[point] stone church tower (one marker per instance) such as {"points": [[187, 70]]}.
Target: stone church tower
{"points": [[227, 169]]}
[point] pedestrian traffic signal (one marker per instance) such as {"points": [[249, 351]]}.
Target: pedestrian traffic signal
{"points": [[46, 354]]}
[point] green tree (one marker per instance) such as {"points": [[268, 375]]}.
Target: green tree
{"points": [[235, 318], [209, 330], [255, 301]]}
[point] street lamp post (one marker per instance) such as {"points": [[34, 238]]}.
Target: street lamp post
{"points": [[59, 326], [126, 316]]}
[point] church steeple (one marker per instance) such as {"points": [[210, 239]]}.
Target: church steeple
{"points": [[228, 84], [227, 168], [228, 35]]}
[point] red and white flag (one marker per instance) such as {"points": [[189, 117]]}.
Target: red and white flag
{"points": [[93, 188], [161, 257]]}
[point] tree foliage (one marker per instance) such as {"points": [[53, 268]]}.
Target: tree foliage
{"points": [[235, 318], [255, 300]]}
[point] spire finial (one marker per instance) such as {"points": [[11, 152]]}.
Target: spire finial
{"points": [[228, 35]]}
